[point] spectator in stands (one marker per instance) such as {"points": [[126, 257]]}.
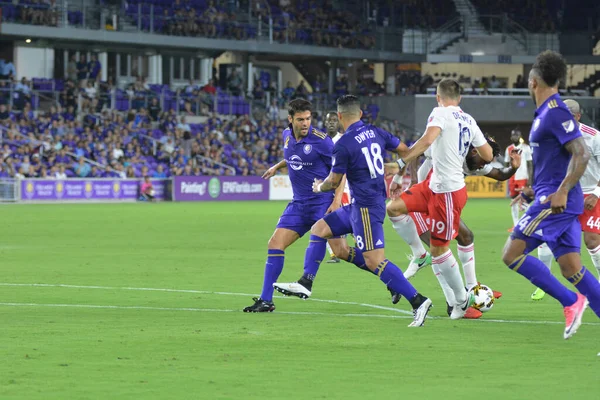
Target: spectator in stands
{"points": [[273, 111], [301, 90], [235, 83], [4, 114], [130, 172], [82, 71], [494, 83], [82, 169], [94, 69], [289, 92], [160, 172], [61, 174], [147, 190], [24, 89], [72, 68], [7, 70], [154, 109]]}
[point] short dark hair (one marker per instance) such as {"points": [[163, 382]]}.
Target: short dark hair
{"points": [[348, 103], [449, 88], [551, 67], [299, 105]]}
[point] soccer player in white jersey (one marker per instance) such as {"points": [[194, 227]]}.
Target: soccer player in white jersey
{"points": [[415, 229], [450, 133], [523, 177], [332, 125], [590, 181]]}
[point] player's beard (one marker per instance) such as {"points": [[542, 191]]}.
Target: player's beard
{"points": [[532, 94]]}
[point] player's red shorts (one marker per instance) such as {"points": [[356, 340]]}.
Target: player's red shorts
{"points": [[590, 219], [443, 209], [421, 221], [515, 186], [345, 199]]}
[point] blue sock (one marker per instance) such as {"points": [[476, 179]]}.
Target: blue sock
{"points": [[315, 252], [273, 269], [588, 286], [535, 270], [355, 257], [391, 275]]}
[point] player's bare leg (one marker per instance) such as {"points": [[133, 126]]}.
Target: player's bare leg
{"points": [[405, 227], [536, 272], [592, 243], [280, 240]]}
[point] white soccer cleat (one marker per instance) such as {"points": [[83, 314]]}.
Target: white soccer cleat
{"points": [[420, 314], [417, 264], [459, 310], [292, 289]]}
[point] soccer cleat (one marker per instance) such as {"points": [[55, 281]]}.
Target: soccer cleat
{"points": [[460, 310], [420, 314], [260, 305], [574, 315], [395, 296], [293, 289], [472, 313], [333, 260], [538, 294], [417, 264]]}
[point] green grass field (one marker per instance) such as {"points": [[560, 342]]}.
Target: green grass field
{"points": [[142, 301]]}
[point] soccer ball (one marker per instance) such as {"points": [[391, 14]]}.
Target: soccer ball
{"points": [[484, 298]]}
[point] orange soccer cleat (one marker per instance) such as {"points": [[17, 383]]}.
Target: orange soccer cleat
{"points": [[473, 313]]}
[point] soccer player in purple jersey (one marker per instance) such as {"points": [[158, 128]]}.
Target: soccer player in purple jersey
{"points": [[307, 153], [359, 155], [560, 157]]}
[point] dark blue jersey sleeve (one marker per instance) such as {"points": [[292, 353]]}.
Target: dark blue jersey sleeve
{"points": [[341, 159]]}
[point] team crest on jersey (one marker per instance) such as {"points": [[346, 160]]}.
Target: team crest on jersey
{"points": [[307, 149], [569, 126], [287, 141], [536, 124]]}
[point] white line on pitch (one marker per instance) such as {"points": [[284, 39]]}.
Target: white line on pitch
{"points": [[59, 285], [407, 313]]}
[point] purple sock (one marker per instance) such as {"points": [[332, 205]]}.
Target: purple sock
{"points": [[395, 280], [535, 270], [273, 269], [314, 256], [355, 257], [588, 286]]}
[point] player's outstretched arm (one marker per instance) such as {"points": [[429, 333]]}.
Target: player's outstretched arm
{"points": [[486, 152], [273, 170], [332, 182], [505, 174], [421, 145]]}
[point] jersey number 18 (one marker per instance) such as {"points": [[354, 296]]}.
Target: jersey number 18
{"points": [[374, 160]]}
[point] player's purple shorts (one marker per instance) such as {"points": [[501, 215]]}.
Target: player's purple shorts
{"points": [[300, 217], [562, 232], [365, 223]]}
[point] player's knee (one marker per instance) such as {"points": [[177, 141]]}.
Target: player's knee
{"points": [[393, 210], [465, 236], [592, 241], [275, 244], [320, 229]]}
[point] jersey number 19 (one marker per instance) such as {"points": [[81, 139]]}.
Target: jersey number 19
{"points": [[464, 140], [374, 160]]}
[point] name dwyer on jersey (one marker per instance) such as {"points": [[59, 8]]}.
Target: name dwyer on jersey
{"points": [[361, 137]]}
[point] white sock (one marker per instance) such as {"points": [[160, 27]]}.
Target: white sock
{"points": [[514, 209], [466, 255], [448, 267], [407, 230], [595, 254], [545, 255], [329, 250], [448, 293]]}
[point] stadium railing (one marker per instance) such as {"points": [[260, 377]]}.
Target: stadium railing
{"points": [[505, 92]]}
